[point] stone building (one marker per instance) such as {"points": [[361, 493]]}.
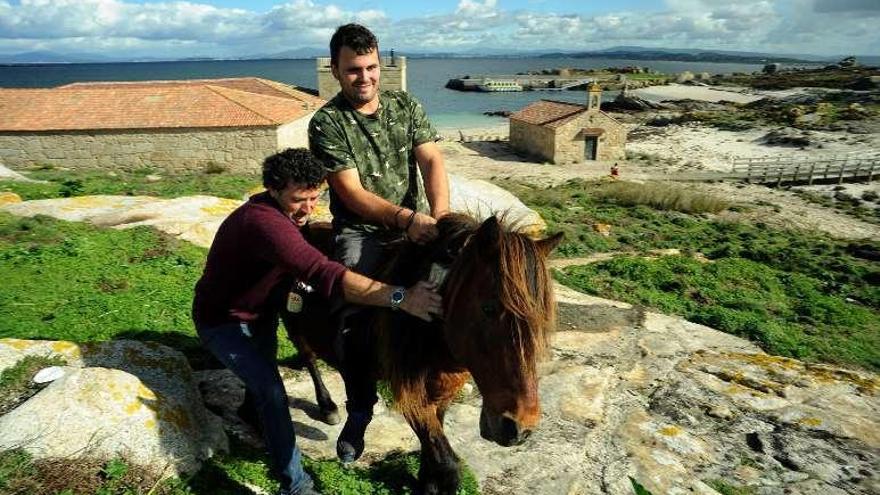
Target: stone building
{"points": [[561, 132], [392, 75], [166, 125]]}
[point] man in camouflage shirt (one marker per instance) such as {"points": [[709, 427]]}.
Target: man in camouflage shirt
{"points": [[386, 177]]}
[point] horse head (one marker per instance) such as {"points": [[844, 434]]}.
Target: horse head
{"points": [[499, 313]]}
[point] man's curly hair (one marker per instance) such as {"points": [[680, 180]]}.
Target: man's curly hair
{"points": [[354, 36], [292, 166]]}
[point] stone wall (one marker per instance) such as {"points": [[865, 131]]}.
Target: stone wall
{"points": [[236, 149], [532, 140], [570, 140], [294, 134], [393, 76]]}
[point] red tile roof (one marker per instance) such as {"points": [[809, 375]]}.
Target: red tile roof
{"points": [[549, 113], [240, 102]]}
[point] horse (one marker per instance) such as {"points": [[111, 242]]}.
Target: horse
{"points": [[498, 315]]}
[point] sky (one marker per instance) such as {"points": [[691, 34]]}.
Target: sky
{"points": [[233, 28]]}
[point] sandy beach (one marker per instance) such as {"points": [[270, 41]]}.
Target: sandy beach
{"points": [[699, 93]]}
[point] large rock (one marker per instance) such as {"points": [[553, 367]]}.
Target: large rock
{"points": [[118, 397], [676, 405], [482, 199], [9, 174], [193, 218], [197, 218]]}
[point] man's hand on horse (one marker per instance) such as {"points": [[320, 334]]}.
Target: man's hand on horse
{"points": [[423, 301], [422, 229]]}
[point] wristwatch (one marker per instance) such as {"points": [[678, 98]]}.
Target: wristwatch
{"points": [[397, 296]]}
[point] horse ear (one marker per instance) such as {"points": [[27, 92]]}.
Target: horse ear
{"points": [[546, 246], [488, 236]]}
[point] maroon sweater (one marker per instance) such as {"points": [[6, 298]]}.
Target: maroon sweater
{"points": [[256, 249]]}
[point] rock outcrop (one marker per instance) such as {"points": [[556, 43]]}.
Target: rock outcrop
{"points": [[196, 218], [677, 406], [137, 399]]}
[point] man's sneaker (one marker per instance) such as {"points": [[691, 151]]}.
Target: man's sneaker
{"points": [[350, 444]]}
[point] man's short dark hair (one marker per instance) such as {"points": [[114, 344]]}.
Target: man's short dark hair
{"points": [[354, 36], [292, 166]]}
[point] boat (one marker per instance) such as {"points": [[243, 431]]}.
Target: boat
{"points": [[494, 85]]}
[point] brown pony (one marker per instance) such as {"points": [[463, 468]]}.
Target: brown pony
{"points": [[499, 311]]}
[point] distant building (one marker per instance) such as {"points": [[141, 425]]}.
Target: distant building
{"points": [[392, 73], [168, 125], [562, 132]]}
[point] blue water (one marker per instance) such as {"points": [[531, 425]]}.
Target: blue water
{"points": [[425, 79]]}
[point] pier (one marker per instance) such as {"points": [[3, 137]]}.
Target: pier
{"points": [[526, 81]]}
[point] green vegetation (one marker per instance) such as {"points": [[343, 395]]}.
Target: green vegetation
{"points": [[77, 282], [838, 78], [726, 488], [145, 182], [866, 207], [16, 382], [662, 197], [638, 488], [798, 294], [228, 474], [787, 313]]}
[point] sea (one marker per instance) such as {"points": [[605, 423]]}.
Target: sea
{"points": [[426, 78]]}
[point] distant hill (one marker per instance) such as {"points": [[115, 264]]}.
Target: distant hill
{"points": [[48, 57], [684, 55], [306, 52], [618, 52]]}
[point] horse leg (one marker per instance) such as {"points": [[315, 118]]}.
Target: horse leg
{"points": [[439, 471], [328, 409]]}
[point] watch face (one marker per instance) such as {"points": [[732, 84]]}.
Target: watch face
{"points": [[397, 295]]}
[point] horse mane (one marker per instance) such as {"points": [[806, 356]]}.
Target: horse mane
{"points": [[410, 348]]}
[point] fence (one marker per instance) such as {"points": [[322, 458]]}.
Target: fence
{"points": [[808, 169]]}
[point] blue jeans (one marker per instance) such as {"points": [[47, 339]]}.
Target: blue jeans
{"points": [[249, 350]]}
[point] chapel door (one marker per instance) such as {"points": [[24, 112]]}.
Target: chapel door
{"points": [[591, 145]]}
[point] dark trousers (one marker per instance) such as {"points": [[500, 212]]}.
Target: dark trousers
{"points": [[364, 253], [249, 350], [355, 345]]}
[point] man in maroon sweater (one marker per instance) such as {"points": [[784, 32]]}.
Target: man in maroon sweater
{"points": [[240, 294]]}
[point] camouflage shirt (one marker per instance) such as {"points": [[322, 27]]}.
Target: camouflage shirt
{"points": [[380, 146]]}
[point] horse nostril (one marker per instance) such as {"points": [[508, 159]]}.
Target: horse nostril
{"points": [[509, 429]]}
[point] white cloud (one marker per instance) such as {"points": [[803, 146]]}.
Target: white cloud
{"points": [[117, 26], [472, 9]]}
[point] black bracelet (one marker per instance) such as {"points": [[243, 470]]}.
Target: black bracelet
{"points": [[409, 222], [396, 213]]}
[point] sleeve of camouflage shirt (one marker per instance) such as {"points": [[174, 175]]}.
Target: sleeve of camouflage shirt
{"points": [[328, 143], [422, 130]]}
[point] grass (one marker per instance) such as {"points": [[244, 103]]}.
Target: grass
{"points": [[16, 382], [788, 314], [798, 294], [65, 183], [228, 474], [866, 208], [662, 197], [727, 488], [73, 281]]}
